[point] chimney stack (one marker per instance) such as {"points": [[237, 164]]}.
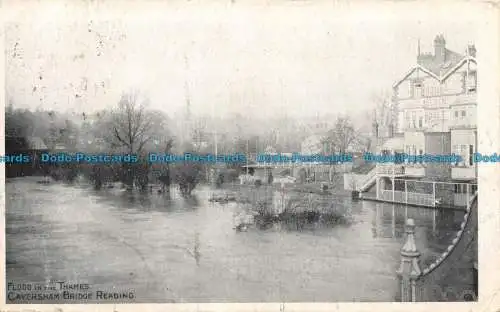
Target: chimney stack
{"points": [[471, 50], [440, 48]]}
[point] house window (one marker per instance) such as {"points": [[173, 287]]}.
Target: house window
{"points": [[471, 82], [471, 154], [460, 188], [420, 122], [463, 113], [461, 150], [408, 152], [420, 153], [473, 188], [418, 88], [398, 158], [456, 114], [414, 153]]}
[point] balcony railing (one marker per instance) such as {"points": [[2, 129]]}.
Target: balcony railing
{"points": [[466, 123], [415, 170], [390, 169], [463, 173], [442, 101]]}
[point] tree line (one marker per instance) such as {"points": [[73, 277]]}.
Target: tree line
{"points": [[132, 127], [128, 128]]}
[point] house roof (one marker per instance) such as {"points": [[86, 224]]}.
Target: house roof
{"points": [[440, 78], [438, 67]]}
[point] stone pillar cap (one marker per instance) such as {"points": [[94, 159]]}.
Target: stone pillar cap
{"points": [[410, 248]]}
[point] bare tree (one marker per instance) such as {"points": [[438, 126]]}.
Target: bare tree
{"points": [[131, 123], [342, 135], [382, 113], [376, 121], [132, 127], [365, 142]]}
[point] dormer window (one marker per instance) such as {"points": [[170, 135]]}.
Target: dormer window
{"points": [[470, 82], [417, 87]]}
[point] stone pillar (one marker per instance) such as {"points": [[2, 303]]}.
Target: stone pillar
{"points": [[409, 270]]}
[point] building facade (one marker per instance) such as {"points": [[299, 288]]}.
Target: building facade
{"points": [[435, 111]]}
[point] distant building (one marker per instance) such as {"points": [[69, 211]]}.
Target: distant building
{"points": [[31, 146], [270, 150]]}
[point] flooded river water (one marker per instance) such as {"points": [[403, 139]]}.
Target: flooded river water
{"points": [[186, 250]]}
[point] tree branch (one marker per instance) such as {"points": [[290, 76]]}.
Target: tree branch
{"points": [[117, 135]]}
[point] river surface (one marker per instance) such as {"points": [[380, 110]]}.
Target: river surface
{"points": [[186, 250]]}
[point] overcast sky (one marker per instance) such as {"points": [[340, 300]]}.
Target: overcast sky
{"points": [[305, 59]]}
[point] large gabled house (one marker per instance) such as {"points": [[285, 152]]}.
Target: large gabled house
{"points": [[435, 111]]}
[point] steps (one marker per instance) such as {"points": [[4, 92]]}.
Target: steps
{"points": [[364, 168], [370, 179]]}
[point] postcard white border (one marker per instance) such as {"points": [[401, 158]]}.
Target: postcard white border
{"points": [[484, 14]]}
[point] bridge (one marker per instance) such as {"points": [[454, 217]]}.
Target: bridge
{"points": [[418, 284]]}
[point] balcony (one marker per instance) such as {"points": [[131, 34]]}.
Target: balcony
{"points": [[417, 171], [390, 169], [443, 101], [466, 123], [409, 170], [463, 173]]}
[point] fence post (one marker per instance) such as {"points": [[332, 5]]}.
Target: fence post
{"points": [[282, 191], [406, 191], [467, 190], [409, 269], [434, 193], [393, 187]]}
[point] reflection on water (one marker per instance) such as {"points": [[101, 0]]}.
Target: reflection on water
{"points": [[174, 249]]}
